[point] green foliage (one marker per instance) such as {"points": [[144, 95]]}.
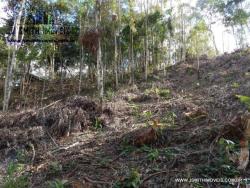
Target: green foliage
{"points": [[55, 168], [132, 181], [57, 183], [227, 145], [110, 93], [197, 185], [245, 100], [235, 85], [221, 165], [135, 110], [162, 92], [126, 148], [13, 180], [3, 53], [229, 9], [98, 124], [169, 119], [199, 40], [152, 153], [147, 114]]}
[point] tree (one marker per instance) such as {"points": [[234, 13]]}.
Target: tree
{"points": [[233, 15], [12, 56], [99, 51]]}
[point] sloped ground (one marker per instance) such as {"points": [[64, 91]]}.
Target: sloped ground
{"points": [[188, 114]]}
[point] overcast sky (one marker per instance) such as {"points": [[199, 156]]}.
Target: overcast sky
{"points": [[218, 29]]}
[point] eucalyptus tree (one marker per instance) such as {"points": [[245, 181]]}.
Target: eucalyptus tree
{"points": [[99, 62], [13, 47], [199, 43], [3, 50], [234, 14], [115, 22], [146, 9], [132, 31]]}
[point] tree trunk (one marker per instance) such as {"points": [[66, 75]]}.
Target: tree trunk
{"points": [[11, 63], [52, 63], [99, 53], [146, 43], [132, 57], [81, 68], [116, 60], [198, 58]]}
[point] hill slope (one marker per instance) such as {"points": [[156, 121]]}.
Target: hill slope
{"points": [[188, 114]]}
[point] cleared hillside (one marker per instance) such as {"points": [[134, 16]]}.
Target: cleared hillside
{"points": [[147, 135]]}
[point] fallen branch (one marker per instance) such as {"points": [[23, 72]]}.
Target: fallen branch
{"points": [[154, 174], [53, 140], [51, 104], [94, 181], [65, 148]]}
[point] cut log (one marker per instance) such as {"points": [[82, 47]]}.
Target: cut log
{"points": [[144, 136]]}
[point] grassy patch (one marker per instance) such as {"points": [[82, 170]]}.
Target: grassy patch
{"points": [[161, 92], [14, 179]]}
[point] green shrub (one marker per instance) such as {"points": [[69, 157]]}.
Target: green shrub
{"points": [[164, 93], [152, 153]]}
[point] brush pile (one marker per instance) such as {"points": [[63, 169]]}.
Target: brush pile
{"points": [[58, 119]]}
